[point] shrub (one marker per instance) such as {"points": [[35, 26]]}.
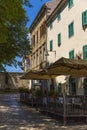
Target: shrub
{"points": [[51, 93], [22, 89], [38, 92]]}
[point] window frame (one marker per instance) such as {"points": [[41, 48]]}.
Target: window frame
{"points": [[70, 3], [58, 16], [51, 45], [85, 52], [59, 39], [71, 54], [51, 24], [84, 18], [71, 29]]}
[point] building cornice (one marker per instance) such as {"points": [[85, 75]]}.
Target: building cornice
{"points": [[45, 10], [38, 17], [59, 7]]}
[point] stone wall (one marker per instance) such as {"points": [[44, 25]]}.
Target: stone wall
{"points": [[12, 80]]}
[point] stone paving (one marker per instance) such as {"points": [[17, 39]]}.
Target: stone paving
{"points": [[16, 116]]}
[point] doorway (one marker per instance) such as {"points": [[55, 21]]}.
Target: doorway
{"points": [[85, 86], [72, 86]]}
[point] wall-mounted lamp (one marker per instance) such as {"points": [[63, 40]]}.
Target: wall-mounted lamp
{"points": [[47, 52]]}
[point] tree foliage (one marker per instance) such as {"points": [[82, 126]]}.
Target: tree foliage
{"points": [[13, 31]]}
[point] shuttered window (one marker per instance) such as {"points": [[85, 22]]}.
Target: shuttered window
{"points": [[51, 45], [85, 52], [59, 39], [71, 29], [70, 3], [58, 16], [51, 24], [84, 18], [71, 54]]}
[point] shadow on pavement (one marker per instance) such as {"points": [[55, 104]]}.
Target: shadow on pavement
{"points": [[16, 116]]}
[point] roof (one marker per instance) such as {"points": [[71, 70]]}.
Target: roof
{"points": [[65, 66], [59, 5], [37, 75], [52, 5]]}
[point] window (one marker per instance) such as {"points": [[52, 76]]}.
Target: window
{"points": [[51, 45], [59, 88], [71, 29], [59, 39], [84, 18], [72, 85], [58, 16], [51, 25], [71, 54], [85, 52], [70, 3], [37, 37]]}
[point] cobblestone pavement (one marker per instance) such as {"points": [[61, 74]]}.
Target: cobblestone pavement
{"points": [[15, 116]]}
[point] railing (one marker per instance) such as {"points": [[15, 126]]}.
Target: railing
{"points": [[76, 105], [70, 107]]}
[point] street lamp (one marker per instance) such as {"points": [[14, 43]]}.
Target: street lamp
{"points": [[47, 59], [47, 64], [47, 52]]}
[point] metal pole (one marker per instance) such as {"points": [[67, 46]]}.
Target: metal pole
{"points": [[64, 105]]}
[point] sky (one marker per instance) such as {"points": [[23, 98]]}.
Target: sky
{"points": [[31, 13]]}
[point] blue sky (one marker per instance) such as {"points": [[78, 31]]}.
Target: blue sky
{"points": [[31, 13]]}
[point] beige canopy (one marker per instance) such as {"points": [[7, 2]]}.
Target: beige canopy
{"points": [[63, 66], [37, 75]]}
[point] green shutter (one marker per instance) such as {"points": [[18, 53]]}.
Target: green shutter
{"points": [[58, 16], [85, 52], [72, 85], [59, 39], [51, 45], [84, 18], [71, 29], [70, 3], [71, 54], [51, 25]]}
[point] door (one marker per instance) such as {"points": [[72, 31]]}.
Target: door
{"points": [[72, 86], [85, 86]]}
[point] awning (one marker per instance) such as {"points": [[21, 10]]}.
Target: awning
{"points": [[37, 75], [65, 66]]}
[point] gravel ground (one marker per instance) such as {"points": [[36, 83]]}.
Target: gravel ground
{"points": [[16, 116]]}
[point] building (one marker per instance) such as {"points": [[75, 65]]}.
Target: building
{"points": [[26, 63], [38, 35], [67, 37]]}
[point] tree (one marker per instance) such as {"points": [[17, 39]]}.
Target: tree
{"points": [[14, 39]]}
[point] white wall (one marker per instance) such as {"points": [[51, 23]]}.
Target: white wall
{"points": [[77, 41]]}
